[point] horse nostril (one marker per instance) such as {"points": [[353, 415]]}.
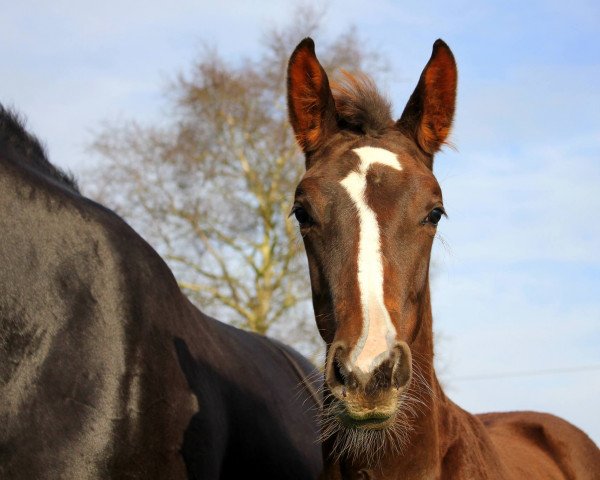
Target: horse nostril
{"points": [[337, 371], [395, 371], [381, 378]]}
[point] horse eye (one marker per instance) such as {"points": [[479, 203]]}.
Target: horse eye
{"points": [[302, 216], [434, 216]]}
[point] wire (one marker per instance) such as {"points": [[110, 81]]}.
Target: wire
{"points": [[530, 373]]}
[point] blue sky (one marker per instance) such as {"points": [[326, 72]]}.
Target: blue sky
{"points": [[517, 280]]}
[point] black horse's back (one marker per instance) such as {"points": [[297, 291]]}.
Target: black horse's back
{"points": [[106, 369]]}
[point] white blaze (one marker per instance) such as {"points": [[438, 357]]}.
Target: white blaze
{"points": [[378, 333]]}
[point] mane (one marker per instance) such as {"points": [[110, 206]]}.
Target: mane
{"points": [[16, 141], [360, 105]]}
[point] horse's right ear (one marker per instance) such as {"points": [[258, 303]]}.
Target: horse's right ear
{"points": [[311, 107]]}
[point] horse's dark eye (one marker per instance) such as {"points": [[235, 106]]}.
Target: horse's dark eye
{"points": [[302, 216], [435, 215]]}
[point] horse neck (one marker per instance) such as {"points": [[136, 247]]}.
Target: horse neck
{"points": [[425, 442]]}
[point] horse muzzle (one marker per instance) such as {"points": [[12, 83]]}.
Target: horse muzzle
{"points": [[367, 399]]}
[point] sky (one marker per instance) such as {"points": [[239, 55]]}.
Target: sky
{"points": [[516, 277]]}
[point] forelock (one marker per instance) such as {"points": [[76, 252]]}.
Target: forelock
{"points": [[360, 106]]}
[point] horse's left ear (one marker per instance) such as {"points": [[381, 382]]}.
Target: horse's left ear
{"points": [[311, 107], [428, 115]]}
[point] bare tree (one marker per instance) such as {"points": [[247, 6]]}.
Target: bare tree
{"points": [[211, 188]]}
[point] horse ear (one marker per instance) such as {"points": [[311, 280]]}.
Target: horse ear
{"points": [[429, 112], [311, 107]]}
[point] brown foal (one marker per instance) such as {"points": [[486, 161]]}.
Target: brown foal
{"points": [[368, 207]]}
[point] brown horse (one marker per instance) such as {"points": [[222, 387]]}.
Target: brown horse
{"points": [[368, 207]]}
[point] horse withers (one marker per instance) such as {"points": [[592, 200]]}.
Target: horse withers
{"points": [[368, 207], [107, 370]]}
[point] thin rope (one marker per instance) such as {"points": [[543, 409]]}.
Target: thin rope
{"points": [[530, 373]]}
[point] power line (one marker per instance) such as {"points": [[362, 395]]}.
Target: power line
{"points": [[530, 373]]}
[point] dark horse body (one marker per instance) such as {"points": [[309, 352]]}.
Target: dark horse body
{"points": [[368, 208], [107, 370]]}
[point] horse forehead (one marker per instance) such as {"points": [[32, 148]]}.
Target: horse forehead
{"points": [[395, 173], [374, 165], [368, 162], [369, 156]]}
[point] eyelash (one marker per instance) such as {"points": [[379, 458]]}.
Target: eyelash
{"points": [[302, 216], [434, 216]]}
